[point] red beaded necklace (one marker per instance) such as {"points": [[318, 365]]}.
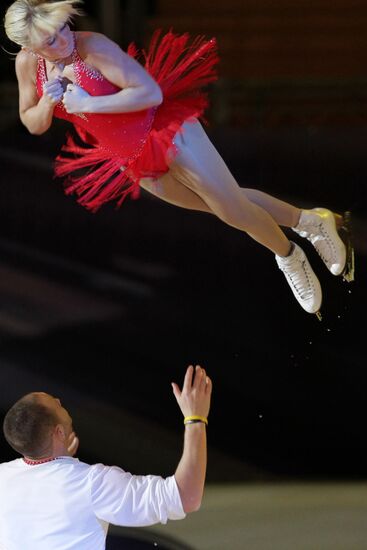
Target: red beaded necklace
{"points": [[31, 462]]}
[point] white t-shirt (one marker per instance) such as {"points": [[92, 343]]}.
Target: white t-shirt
{"points": [[66, 504]]}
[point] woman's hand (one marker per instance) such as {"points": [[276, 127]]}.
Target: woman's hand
{"points": [[74, 99], [194, 399], [53, 90]]}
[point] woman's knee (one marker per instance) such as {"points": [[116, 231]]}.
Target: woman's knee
{"points": [[241, 215]]}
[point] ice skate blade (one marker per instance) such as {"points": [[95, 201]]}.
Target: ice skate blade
{"points": [[346, 235], [318, 315]]}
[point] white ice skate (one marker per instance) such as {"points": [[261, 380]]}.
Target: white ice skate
{"points": [[302, 280], [319, 227]]}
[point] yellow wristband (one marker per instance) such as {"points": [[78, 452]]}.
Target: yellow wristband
{"points": [[193, 419]]}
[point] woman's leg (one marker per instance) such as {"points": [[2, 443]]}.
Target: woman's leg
{"points": [[170, 190], [194, 182], [199, 180], [199, 167], [283, 213]]}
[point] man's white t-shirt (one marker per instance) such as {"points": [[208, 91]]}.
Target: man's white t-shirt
{"points": [[66, 504]]}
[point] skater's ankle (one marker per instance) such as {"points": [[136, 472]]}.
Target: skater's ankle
{"points": [[289, 251], [296, 217]]}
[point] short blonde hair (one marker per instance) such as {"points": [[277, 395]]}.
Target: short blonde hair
{"points": [[26, 21]]}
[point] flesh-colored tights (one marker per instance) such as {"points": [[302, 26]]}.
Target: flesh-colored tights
{"points": [[199, 179]]}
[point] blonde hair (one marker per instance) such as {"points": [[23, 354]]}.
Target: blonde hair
{"points": [[26, 21]]}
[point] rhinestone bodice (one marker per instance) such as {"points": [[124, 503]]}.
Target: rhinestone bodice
{"points": [[113, 152], [121, 134]]}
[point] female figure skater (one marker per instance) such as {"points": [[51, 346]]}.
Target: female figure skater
{"points": [[139, 128]]}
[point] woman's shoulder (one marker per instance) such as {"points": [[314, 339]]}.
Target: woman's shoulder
{"points": [[92, 43], [25, 58], [25, 62], [96, 48]]}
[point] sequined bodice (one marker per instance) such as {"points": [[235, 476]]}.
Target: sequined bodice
{"points": [[117, 131], [88, 78], [142, 142]]}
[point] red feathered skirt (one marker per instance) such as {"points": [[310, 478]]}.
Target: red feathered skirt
{"points": [[113, 152]]}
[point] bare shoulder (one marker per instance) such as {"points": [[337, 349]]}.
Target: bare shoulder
{"points": [[98, 51], [91, 44], [26, 69], [25, 61]]}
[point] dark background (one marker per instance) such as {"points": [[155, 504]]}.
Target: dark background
{"points": [[108, 309]]}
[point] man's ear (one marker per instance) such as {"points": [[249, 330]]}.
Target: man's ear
{"points": [[60, 432]]}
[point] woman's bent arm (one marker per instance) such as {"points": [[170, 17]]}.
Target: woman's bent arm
{"points": [[139, 90], [36, 114]]}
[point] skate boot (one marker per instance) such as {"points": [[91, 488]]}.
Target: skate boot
{"points": [[302, 280], [319, 227]]}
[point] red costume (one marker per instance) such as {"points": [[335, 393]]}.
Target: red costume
{"points": [[119, 149]]}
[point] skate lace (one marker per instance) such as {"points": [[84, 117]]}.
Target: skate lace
{"points": [[322, 242], [299, 279]]}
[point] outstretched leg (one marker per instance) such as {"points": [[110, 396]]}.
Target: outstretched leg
{"points": [[200, 180], [199, 167], [282, 212], [171, 190]]}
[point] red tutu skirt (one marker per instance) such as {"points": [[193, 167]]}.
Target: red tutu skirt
{"points": [[113, 152]]}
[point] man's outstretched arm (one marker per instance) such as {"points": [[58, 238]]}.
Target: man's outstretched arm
{"points": [[194, 401]]}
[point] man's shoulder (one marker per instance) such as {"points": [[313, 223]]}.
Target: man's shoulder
{"points": [[92, 469], [102, 473], [99, 468], [11, 465]]}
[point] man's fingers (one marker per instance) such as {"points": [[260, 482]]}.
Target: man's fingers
{"points": [[199, 376], [203, 379], [199, 380], [188, 378], [74, 444], [71, 437], [176, 390]]}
